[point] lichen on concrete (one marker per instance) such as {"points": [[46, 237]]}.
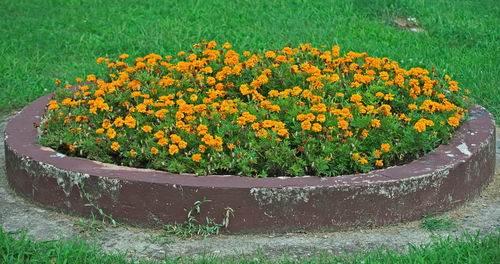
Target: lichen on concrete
{"points": [[65, 179], [288, 195]]}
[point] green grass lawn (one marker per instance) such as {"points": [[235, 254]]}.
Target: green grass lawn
{"points": [[465, 249], [44, 40]]}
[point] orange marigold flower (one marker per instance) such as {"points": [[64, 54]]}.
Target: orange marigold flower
{"points": [[412, 106], [99, 130], [162, 141], [316, 127], [212, 44], [147, 129], [230, 146], [130, 121], [356, 98], [375, 123], [79, 80], [321, 118], [132, 153], [197, 157], [118, 122], [385, 147], [202, 148], [363, 161], [306, 125], [182, 144], [91, 78], [420, 125], [211, 81], [106, 124], [342, 124], [154, 150], [70, 147], [379, 163], [453, 121], [115, 146], [270, 54], [173, 149], [111, 133], [175, 138]]}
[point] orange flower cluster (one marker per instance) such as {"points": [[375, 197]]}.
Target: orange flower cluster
{"points": [[211, 110]]}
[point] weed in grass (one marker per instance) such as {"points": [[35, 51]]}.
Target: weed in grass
{"points": [[433, 222], [91, 226], [191, 227]]}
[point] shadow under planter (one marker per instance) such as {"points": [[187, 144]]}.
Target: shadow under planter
{"points": [[439, 181]]}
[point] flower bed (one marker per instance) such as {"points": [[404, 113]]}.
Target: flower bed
{"points": [[289, 112]]}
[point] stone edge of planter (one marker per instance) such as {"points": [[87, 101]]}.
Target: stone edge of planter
{"points": [[439, 181]]}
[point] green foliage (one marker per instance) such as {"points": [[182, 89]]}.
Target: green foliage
{"points": [[458, 36], [433, 222], [18, 247]]}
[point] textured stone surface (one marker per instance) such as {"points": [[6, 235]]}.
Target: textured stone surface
{"points": [[480, 215]]}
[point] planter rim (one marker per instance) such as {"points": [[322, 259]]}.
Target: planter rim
{"points": [[23, 139]]}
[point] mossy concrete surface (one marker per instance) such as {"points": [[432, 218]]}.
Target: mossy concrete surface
{"points": [[480, 215]]}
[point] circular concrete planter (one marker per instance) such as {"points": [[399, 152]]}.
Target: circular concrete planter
{"points": [[439, 181]]}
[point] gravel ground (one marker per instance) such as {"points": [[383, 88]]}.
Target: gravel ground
{"points": [[480, 215]]}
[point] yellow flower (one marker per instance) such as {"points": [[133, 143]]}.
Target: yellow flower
{"points": [[363, 161], [115, 146], [132, 153], [379, 163]]}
